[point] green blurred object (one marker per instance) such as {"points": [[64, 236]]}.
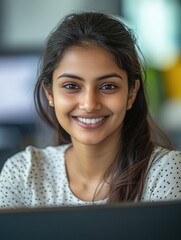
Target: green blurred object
{"points": [[154, 88]]}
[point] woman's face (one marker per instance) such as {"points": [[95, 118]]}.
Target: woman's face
{"points": [[90, 95]]}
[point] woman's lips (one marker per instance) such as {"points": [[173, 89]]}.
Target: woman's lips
{"points": [[93, 122]]}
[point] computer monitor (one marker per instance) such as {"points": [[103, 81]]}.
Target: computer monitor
{"points": [[18, 73], [127, 221]]}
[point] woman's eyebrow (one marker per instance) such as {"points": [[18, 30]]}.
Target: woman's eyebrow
{"points": [[109, 75], [68, 75]]}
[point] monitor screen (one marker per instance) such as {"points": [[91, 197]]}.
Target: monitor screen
{"points": [[18, 73]]}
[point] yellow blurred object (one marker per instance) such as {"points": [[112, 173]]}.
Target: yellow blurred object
{"points": [[172, 80]]}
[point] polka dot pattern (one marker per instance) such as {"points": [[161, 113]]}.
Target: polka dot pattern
{"points": [[163, 181], [37, 177]]}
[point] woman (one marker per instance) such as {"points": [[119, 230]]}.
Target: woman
{"points": [[90, 90]]}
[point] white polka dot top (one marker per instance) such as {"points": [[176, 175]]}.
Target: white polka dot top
{"points": [[37, 178]]}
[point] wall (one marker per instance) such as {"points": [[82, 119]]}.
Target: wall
{"points": [[27, 23]]}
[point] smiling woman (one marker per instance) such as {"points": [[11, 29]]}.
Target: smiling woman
{"points": [[91, 91]]}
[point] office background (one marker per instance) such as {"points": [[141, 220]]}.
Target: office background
{"points": [[24, 27]]}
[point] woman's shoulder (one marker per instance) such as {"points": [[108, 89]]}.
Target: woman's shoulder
{"points": [[36, 156], [165, 160], [162, 156], [163, 181], [30, 172]]}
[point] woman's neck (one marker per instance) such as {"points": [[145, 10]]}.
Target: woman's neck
{"points": [[86, 166], [91, 161]]}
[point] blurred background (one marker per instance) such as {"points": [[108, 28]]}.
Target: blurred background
{"points": [[24, 27]]}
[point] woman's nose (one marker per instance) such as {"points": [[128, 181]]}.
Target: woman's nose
{"points": [[90, 101]]}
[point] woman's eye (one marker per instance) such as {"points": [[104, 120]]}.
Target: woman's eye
{"points": [[71, 86], [107, 87]]}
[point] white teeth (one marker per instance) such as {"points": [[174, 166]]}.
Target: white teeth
{"points": [[90, 120]]}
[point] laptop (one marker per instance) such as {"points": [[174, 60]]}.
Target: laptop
{"points": [[127, 221]]}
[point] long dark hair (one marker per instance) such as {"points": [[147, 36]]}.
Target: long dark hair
{"points": [[128, 171]]}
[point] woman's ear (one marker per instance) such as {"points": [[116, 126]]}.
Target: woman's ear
{"points": [[49, 95], [132, 94]]}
